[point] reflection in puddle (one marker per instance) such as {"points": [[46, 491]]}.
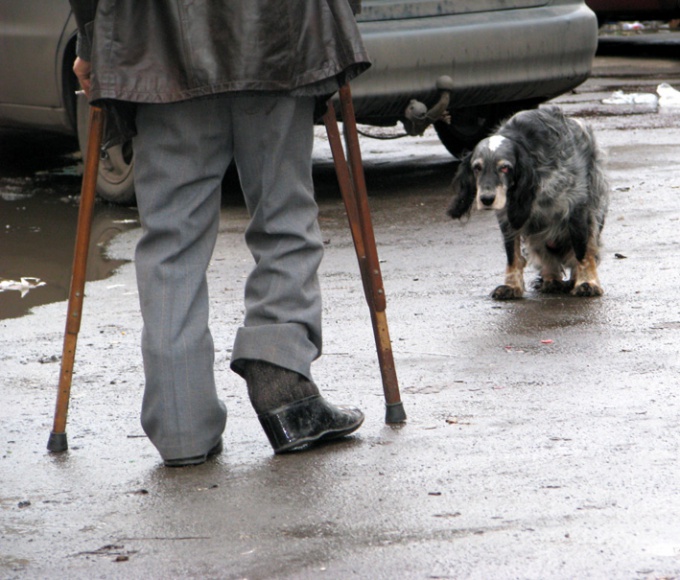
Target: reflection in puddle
{"points": [[23, 286], [9, 196]]}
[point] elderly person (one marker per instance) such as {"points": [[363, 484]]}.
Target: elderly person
{"points": [[200, 84]]}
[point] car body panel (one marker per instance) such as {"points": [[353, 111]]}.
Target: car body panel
{"points": [[33, 45], [374, 10]]}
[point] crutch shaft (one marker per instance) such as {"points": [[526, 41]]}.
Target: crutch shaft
{"points": [[353, 190], [57, 441]]}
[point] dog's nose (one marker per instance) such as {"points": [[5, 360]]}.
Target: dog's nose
{"points": [[487, 200]]}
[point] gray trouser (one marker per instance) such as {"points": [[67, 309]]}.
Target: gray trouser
{"points": [[181, 154]]}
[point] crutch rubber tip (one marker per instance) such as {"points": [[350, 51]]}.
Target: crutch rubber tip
{"points": [[57, 442], [394, 413]]}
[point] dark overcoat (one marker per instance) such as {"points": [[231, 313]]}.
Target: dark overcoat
{"points": [[153, 51]]}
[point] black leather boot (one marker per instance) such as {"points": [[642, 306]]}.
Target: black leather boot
{"points": [[292, 412]]}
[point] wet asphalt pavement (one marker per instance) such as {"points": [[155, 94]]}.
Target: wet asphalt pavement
{"points": [[543, 435]]}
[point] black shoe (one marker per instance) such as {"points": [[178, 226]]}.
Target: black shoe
{"points": [[196, 459], [307, 421]]}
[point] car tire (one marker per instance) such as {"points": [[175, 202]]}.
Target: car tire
{"points": [[469, 126], [115, 182]]}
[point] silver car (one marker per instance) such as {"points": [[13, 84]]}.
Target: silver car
{"points": [[479, 59]]}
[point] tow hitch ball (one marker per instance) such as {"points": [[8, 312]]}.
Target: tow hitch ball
{"points": [[418, 117]]}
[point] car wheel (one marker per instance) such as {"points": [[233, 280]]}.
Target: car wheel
{"points": [[115, 179], [469, 126]]}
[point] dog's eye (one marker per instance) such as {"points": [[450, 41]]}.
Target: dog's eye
{"points": [[477, 167], [504, 168]]}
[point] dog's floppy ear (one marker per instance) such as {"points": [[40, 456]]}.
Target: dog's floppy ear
{"points": [[523, 190], [464, 186]]}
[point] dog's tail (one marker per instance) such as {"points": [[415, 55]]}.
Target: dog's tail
{"points": [[598, 182]]}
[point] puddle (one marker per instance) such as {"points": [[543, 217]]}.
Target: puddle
{"points": [[38, 218], [37, 237]]}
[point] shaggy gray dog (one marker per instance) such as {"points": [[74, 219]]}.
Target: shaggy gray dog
{"points": [[542, 173]]}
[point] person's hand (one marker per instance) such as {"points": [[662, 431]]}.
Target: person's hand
{"points": [[83, 68]]}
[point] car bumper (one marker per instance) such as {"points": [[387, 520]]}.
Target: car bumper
{"points": [[536, 53]]}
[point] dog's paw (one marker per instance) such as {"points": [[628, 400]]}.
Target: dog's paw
{"points": [[587, 289], [505, 292]]}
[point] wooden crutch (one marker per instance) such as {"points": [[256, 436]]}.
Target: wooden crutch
{"points": [[58, 441], [352, 185]]}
